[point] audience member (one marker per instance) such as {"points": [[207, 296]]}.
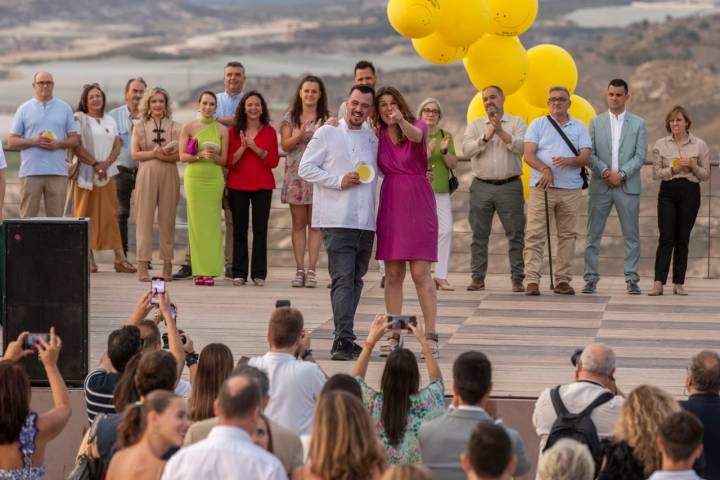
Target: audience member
{"points": [[149, 429], [703, 386], [632, 451], [262, 436], [155, 145], [308, 112], [42, 129], [228, 451], [680, 444], [400, 406], [407, 223], [252, 155], [441, 161], [557, 165], [295, 378], [344, 444], [122, 345], [214, 367], [204, 146], [567, 460], [495, 147], [681, 161], [408, 471], [124, 116], [489, 454], [24, 435], [443, 439], [594, 375], [344, 382], [285, 444]]}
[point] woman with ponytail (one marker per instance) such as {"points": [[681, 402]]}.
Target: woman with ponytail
{"points": [[149, 428]]}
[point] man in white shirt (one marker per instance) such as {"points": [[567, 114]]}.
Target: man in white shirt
{"points": [[680, 443], [344, 208], [295, 378], [228, 452], [594, 375]]}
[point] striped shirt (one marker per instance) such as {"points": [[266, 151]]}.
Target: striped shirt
{"points": [[99, 386]]}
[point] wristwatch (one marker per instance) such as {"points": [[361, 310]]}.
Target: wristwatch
{"points": [[484, 138], [191, 359]]}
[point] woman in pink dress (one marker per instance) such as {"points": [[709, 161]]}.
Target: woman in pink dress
{"points": [[407, 223]]}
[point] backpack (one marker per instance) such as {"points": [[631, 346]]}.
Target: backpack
{"points": [[577, 426]]}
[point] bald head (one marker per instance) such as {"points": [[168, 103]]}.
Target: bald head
{"points": [[598, 359], [239, 398]]}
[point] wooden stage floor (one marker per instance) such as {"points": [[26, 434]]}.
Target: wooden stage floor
{"points": [[528, 339]]}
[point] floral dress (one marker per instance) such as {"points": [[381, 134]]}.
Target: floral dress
{"points": [[425, 405], [28, 435], [295, 190]]}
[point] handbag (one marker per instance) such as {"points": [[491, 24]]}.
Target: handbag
{"points": [[192, 146], [87, 467], [583, 170]]}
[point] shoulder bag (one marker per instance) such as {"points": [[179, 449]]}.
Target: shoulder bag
{"points": [[583, 170]]}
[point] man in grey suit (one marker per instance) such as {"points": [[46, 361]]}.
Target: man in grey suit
{"points": [[619, 149], [444, 439]]}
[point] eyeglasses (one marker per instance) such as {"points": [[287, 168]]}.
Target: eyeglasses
{"points": [[557, 100], [44, 83], [431, 111]]}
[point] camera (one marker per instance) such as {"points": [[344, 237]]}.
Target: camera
{"points": [[401, 322], [33, 339], [576, 356], [282, 303], [166, 343]]}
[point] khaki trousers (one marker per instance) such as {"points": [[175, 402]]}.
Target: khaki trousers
{"points": [[563, 209], [34, 187], [157, 187]]}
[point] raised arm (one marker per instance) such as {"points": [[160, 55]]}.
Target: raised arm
{"points": [[174, 342], [431, 364], [52, 422], [378, 329]]}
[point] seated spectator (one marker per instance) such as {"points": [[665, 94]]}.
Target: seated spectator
{"points": [[594, 375], [408, 471], [567, 460], [400, 406], [443, 439], [489, 454], [295, 378], [228, 451], [148, 429], [286, 444], [632, 452], [680, 444], [214, 367], [24, 434], [262, 436], [122, 344], [703, 386], [344, 444], [344, 382]]}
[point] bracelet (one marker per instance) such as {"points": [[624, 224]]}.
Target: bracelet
{"points": [[191, 359], [369, 344]]}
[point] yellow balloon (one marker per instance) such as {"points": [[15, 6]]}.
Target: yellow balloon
{"points": [[432, 49], [413, 18], [495, 60], [549, 66], [527, 172], [581, 109], [511, 18], [461, 22]]}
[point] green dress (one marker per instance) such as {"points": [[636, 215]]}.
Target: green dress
{"points": [[204, 186]]}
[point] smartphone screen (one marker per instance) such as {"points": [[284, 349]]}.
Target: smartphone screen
{"points": [[32, 339], [157, 286], [400, 322]]}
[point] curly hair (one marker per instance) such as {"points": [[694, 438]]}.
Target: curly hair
{"points": [[144, 106], [566, 460], [639, 423]]}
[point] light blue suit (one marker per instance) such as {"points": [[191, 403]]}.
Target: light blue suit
{"points": [[626, 198]]}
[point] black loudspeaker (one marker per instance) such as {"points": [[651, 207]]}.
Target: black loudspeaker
{"points": [[45, 283]]}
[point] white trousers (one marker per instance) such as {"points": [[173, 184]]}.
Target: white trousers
{"points": [[445, 229]]}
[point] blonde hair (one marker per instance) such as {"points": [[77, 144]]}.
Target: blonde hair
{"points": [[567, 460], [639, 423], [425, 102], [144, 105], [410, 471], [344, 444]]}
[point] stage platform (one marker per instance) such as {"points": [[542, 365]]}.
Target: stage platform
{"points": [[528, 339]]}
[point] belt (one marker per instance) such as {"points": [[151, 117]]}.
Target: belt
{"points": [[498, 182], [131, 171]]}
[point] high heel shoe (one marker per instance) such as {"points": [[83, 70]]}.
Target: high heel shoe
{"points": [[657, 289], [443, 285], [124, 266]]}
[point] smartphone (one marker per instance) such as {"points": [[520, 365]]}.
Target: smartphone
{"points": [[166, 343], [400, 322], [282, 303], [33, 339], [157, 286]]}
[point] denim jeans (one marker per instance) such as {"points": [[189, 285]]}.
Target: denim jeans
{"points": [[349, 252]]}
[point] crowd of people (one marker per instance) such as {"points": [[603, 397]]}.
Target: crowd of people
{"points": [[279, 416]]}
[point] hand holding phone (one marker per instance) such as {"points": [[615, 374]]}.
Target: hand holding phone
{"points": [[32, 340], [401, 322]]}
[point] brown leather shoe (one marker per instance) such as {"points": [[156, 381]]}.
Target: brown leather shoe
{"points": [[564, 288], [476, 284], [517, 286], [532, 289]]}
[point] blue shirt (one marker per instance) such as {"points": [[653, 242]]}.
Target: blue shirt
{"points": [[550, 144], [33, 118], [227, 104], [123, 118]]}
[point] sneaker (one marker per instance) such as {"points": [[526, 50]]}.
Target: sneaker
{"points": [[356, 350], [184, 272], [343, 351], [299, 280], [310, 279], [590, 286], [633, 288], [390, 344], [433, 346], [564, 288]]}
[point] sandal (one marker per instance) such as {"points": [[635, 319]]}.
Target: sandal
{"points": [[124, 266], [433, 345], [310, 279], [93, 268], [299, 280], [390, 344], [442, 284]]}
